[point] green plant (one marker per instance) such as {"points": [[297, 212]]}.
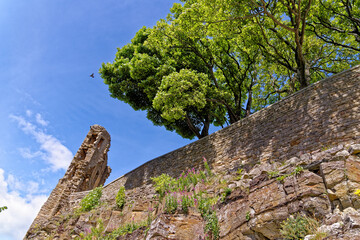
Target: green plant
{"points": [[227, 191], [94, 232], [170, 203], [272, 174], [212, 225], [120, 197], [149, 217], [163, 183], [91, 200], [320, 236], [298, 226], [206, 165], [297, 170], [248, 216], [126, 229], [186, 202], [98, 232], [3, 208], [281, 178], [239, 174]]}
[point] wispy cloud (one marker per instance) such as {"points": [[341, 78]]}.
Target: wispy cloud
{"points": [[15, 221], [40, 120], [27, 153], [51, 149]]}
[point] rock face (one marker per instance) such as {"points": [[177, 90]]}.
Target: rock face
{"points": [[87, 170], [300, 155]]}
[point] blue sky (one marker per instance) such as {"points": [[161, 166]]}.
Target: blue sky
{"points": [[48, 49]]}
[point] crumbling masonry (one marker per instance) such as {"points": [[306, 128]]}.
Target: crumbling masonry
{"points": [[87, 170]]}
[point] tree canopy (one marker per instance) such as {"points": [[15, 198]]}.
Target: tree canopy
{"points": [[213, 62]]}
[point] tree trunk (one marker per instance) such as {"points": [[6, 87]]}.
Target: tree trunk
{"points": [[302, 71]]}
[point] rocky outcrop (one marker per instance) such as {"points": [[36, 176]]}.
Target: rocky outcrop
{"points": [[320, 184], [300, 155], [87, 170]]}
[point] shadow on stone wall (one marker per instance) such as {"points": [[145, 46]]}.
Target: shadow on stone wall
{"points": [[313, 118], [173, 163], [316, 117]]}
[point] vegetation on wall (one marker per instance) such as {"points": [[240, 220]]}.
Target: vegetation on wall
{"points": [[91, 200], [213, 62], [180, 194], [120, 197], [298, 226]]}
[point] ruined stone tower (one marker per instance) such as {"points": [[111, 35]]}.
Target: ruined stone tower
{"points": [[87, 170]]}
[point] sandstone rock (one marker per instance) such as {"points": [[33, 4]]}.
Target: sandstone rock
{"points": [[341, 191], [340, 156], [178, 226], [232, 215], [354, 149], [353, 169], [334, 150], [293, 161], [332, 196], [333, 172]]}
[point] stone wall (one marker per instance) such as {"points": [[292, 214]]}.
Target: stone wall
{"points": [[314, 129], [319, 116]]}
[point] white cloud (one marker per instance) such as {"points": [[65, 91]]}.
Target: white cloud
{"points": [[28, 113], [40, 120], [27, 153], [15, 221], [51, 149]]}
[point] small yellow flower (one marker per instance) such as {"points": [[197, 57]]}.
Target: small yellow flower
{"points": [[357, 192]]}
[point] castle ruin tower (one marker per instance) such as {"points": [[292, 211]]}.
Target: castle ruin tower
{"points": [[87, 170]]}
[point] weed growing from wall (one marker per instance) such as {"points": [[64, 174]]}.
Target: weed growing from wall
{"points": [[91, 200], [98, 232], [298, 226], [120, 197], [163, 183]]}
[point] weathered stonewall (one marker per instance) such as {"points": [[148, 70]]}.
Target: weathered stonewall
{"points": [[87, 170]]}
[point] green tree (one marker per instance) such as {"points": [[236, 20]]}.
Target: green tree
{"points": [[213, 62], [337, 22], [136, 74], [284, 32]]}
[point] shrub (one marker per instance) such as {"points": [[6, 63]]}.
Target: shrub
{"points": [[120, 197], [298, 226], [163, 183], [91, 200]]}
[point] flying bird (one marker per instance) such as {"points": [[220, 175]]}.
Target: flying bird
{"points": [[92, 75]]}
